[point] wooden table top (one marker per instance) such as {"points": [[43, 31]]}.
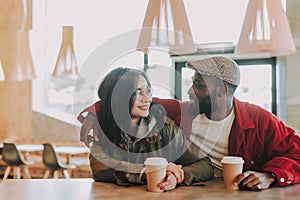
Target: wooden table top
{"points": [[29, 147], [72, 150], [82, 189]]}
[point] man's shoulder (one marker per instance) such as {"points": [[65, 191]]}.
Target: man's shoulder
{"points": [[252, 110], [249, 106]]}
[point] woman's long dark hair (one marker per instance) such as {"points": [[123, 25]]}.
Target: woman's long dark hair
{"points": [[117, 93]]}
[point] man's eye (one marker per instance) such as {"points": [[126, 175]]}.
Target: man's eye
{"points": [[197, 84]]}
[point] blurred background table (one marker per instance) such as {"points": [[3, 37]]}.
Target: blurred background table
{"points": [[26, 149], [69, 151]]}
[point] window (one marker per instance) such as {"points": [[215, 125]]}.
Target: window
{"points": [[97, 21], [94, 22]]}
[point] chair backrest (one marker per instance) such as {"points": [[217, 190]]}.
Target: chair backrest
{"points": [[11, 155], [50, 157]]}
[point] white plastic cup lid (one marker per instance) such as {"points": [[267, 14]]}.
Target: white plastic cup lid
{"points": [[156, 161], [232, 160]]}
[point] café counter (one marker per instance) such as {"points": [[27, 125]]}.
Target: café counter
{"points": [[87, 189]]}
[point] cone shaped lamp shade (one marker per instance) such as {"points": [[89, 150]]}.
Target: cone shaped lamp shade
{"points": [[265, 30], [66, 64], [22, 67], [166, 24]]}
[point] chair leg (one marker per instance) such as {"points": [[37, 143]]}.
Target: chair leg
{"points": [[47, 173], [6, 173], [56, 174], [26, 171], [66, 173], [17, 172]]}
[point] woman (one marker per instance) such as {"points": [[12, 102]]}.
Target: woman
{"points": [[134, 128]]}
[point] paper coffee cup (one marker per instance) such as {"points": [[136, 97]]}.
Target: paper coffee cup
{"points": [[232, 166], [155, 172]]}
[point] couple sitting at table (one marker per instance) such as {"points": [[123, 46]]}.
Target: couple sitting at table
{"points": [[215, 123]]}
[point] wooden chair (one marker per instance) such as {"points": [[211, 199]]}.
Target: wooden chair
{"points": [[51, 161], [13, 158]]}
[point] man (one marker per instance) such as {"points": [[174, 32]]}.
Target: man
{"points": [[218, 124]]}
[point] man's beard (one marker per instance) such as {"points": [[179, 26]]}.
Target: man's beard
{"points": [[204, 107]]}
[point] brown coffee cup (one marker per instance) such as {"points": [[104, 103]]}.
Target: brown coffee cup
{"points": [[155, 172], [232, 166]]}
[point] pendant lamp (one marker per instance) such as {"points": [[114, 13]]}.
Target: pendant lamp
{"points": [[23, 67], [265, 30], [166, 25], [66, 64], [17, 59]]}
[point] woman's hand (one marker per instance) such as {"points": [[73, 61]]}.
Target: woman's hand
{"points": [[177, 171], [174, 176]]}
